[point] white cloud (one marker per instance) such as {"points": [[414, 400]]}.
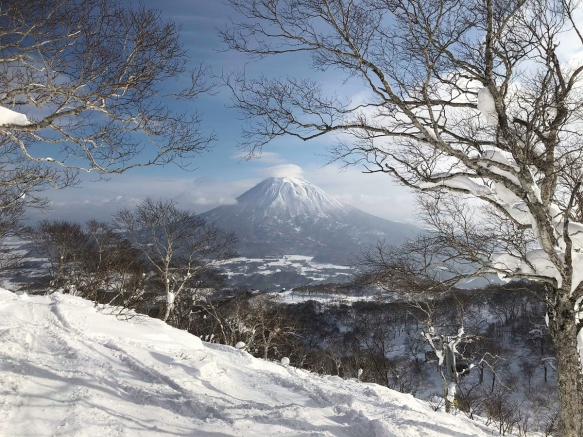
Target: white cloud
{"points": [[263, 157], [376, 194], [101, 200], [279, 171]]}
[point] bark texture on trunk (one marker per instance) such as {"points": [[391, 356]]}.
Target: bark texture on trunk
{"points": [[563, 330], [167, 313], [169, 303]]}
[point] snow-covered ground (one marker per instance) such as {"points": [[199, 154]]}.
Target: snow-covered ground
{"points": [[298, 265], [300, 262], [293, 297], [67, 369]]}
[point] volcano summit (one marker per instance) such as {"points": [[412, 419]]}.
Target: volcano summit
{"points": [[289, 215]]}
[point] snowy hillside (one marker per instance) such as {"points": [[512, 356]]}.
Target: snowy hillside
{"points": [[289, 215], [66, 369]]}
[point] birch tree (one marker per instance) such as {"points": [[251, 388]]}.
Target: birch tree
{"points": [[176, 244], [481, 98], [90, 86], [408, 272]]}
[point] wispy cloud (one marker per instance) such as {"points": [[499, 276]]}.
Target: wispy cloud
{"points": [[376, 194], [263, 158], [279, 171], [101, 200]]}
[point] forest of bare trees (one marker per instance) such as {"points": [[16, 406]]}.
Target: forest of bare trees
{"points": [[472, 104], [467, 98]]}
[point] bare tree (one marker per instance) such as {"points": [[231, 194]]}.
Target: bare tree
{"points": [[272, 325], [468, 97], [501, 410], [201, 288], [63, 244], [443, 317], [10, 227], [112, 269], [377, 337], [86, 82], [176, 243], [445, 349], [95, 261]]}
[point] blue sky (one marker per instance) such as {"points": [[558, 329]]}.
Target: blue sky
{"points": [[220, 175]]}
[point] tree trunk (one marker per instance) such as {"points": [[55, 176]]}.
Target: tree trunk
{"points": [[169, 298], [168, 311], [563, 329], [448, 403]]}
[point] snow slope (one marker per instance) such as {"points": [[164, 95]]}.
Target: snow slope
{"points": [[66, 369]]}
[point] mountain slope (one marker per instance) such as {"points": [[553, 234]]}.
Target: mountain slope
{"points": [[292, 216], [68, 370]]}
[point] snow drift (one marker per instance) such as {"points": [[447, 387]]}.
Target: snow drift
{"points": [[67, 369]]}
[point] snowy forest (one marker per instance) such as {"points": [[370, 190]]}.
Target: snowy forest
{"points": [[466, 323]]}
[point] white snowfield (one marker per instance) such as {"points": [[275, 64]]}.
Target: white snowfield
{"points": [[69, 370]]}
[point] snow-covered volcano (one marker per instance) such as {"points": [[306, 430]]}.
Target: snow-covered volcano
{"points": [[289, 215], [290, 196]]}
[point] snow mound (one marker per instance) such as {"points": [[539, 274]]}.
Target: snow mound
{"points": [[69, 370], [8, 116], [487, 106]]}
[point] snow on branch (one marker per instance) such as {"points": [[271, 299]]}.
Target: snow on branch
{"points": [[10, 117], [487, 106]]}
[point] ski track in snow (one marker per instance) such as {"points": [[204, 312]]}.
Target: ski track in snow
{"points": [[69, 370]]}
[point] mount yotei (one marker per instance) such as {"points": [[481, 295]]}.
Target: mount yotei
{"points": [[289, 215]]}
